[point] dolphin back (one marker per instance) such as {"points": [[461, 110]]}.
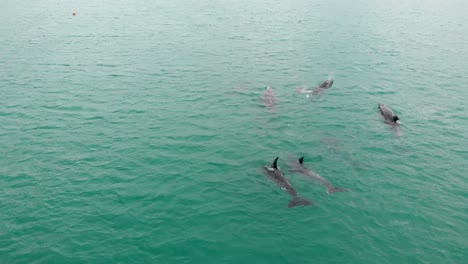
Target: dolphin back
{"points": [[298, 201], [386, 112], [326, 84]]}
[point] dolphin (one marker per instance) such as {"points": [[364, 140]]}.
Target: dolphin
{"points": [[326, 84], [269, 98], [323, 86], [278, 178], [299, 166], [388, 115]]}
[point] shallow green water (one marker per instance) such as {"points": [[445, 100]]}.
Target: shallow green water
{"points": [[134, 132]]}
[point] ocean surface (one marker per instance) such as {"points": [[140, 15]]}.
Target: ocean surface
{"points": [[134, 131]]}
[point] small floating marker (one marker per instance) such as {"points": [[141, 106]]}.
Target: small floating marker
{"points": [[74, 13]]}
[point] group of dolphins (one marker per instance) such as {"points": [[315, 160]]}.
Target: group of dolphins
{"points": [[275, 174]]}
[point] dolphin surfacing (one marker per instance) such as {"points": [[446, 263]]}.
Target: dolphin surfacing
{"points": [[269, 98], [388, 114], [390, 118], [323, 86], [326, 84], [278, 178], [299, 166]]}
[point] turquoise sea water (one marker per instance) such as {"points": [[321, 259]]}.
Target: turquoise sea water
{"points": [[134, 132]]}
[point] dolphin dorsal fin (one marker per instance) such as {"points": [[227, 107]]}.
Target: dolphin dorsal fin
{"points": [[274, 164], [301, 160]]}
